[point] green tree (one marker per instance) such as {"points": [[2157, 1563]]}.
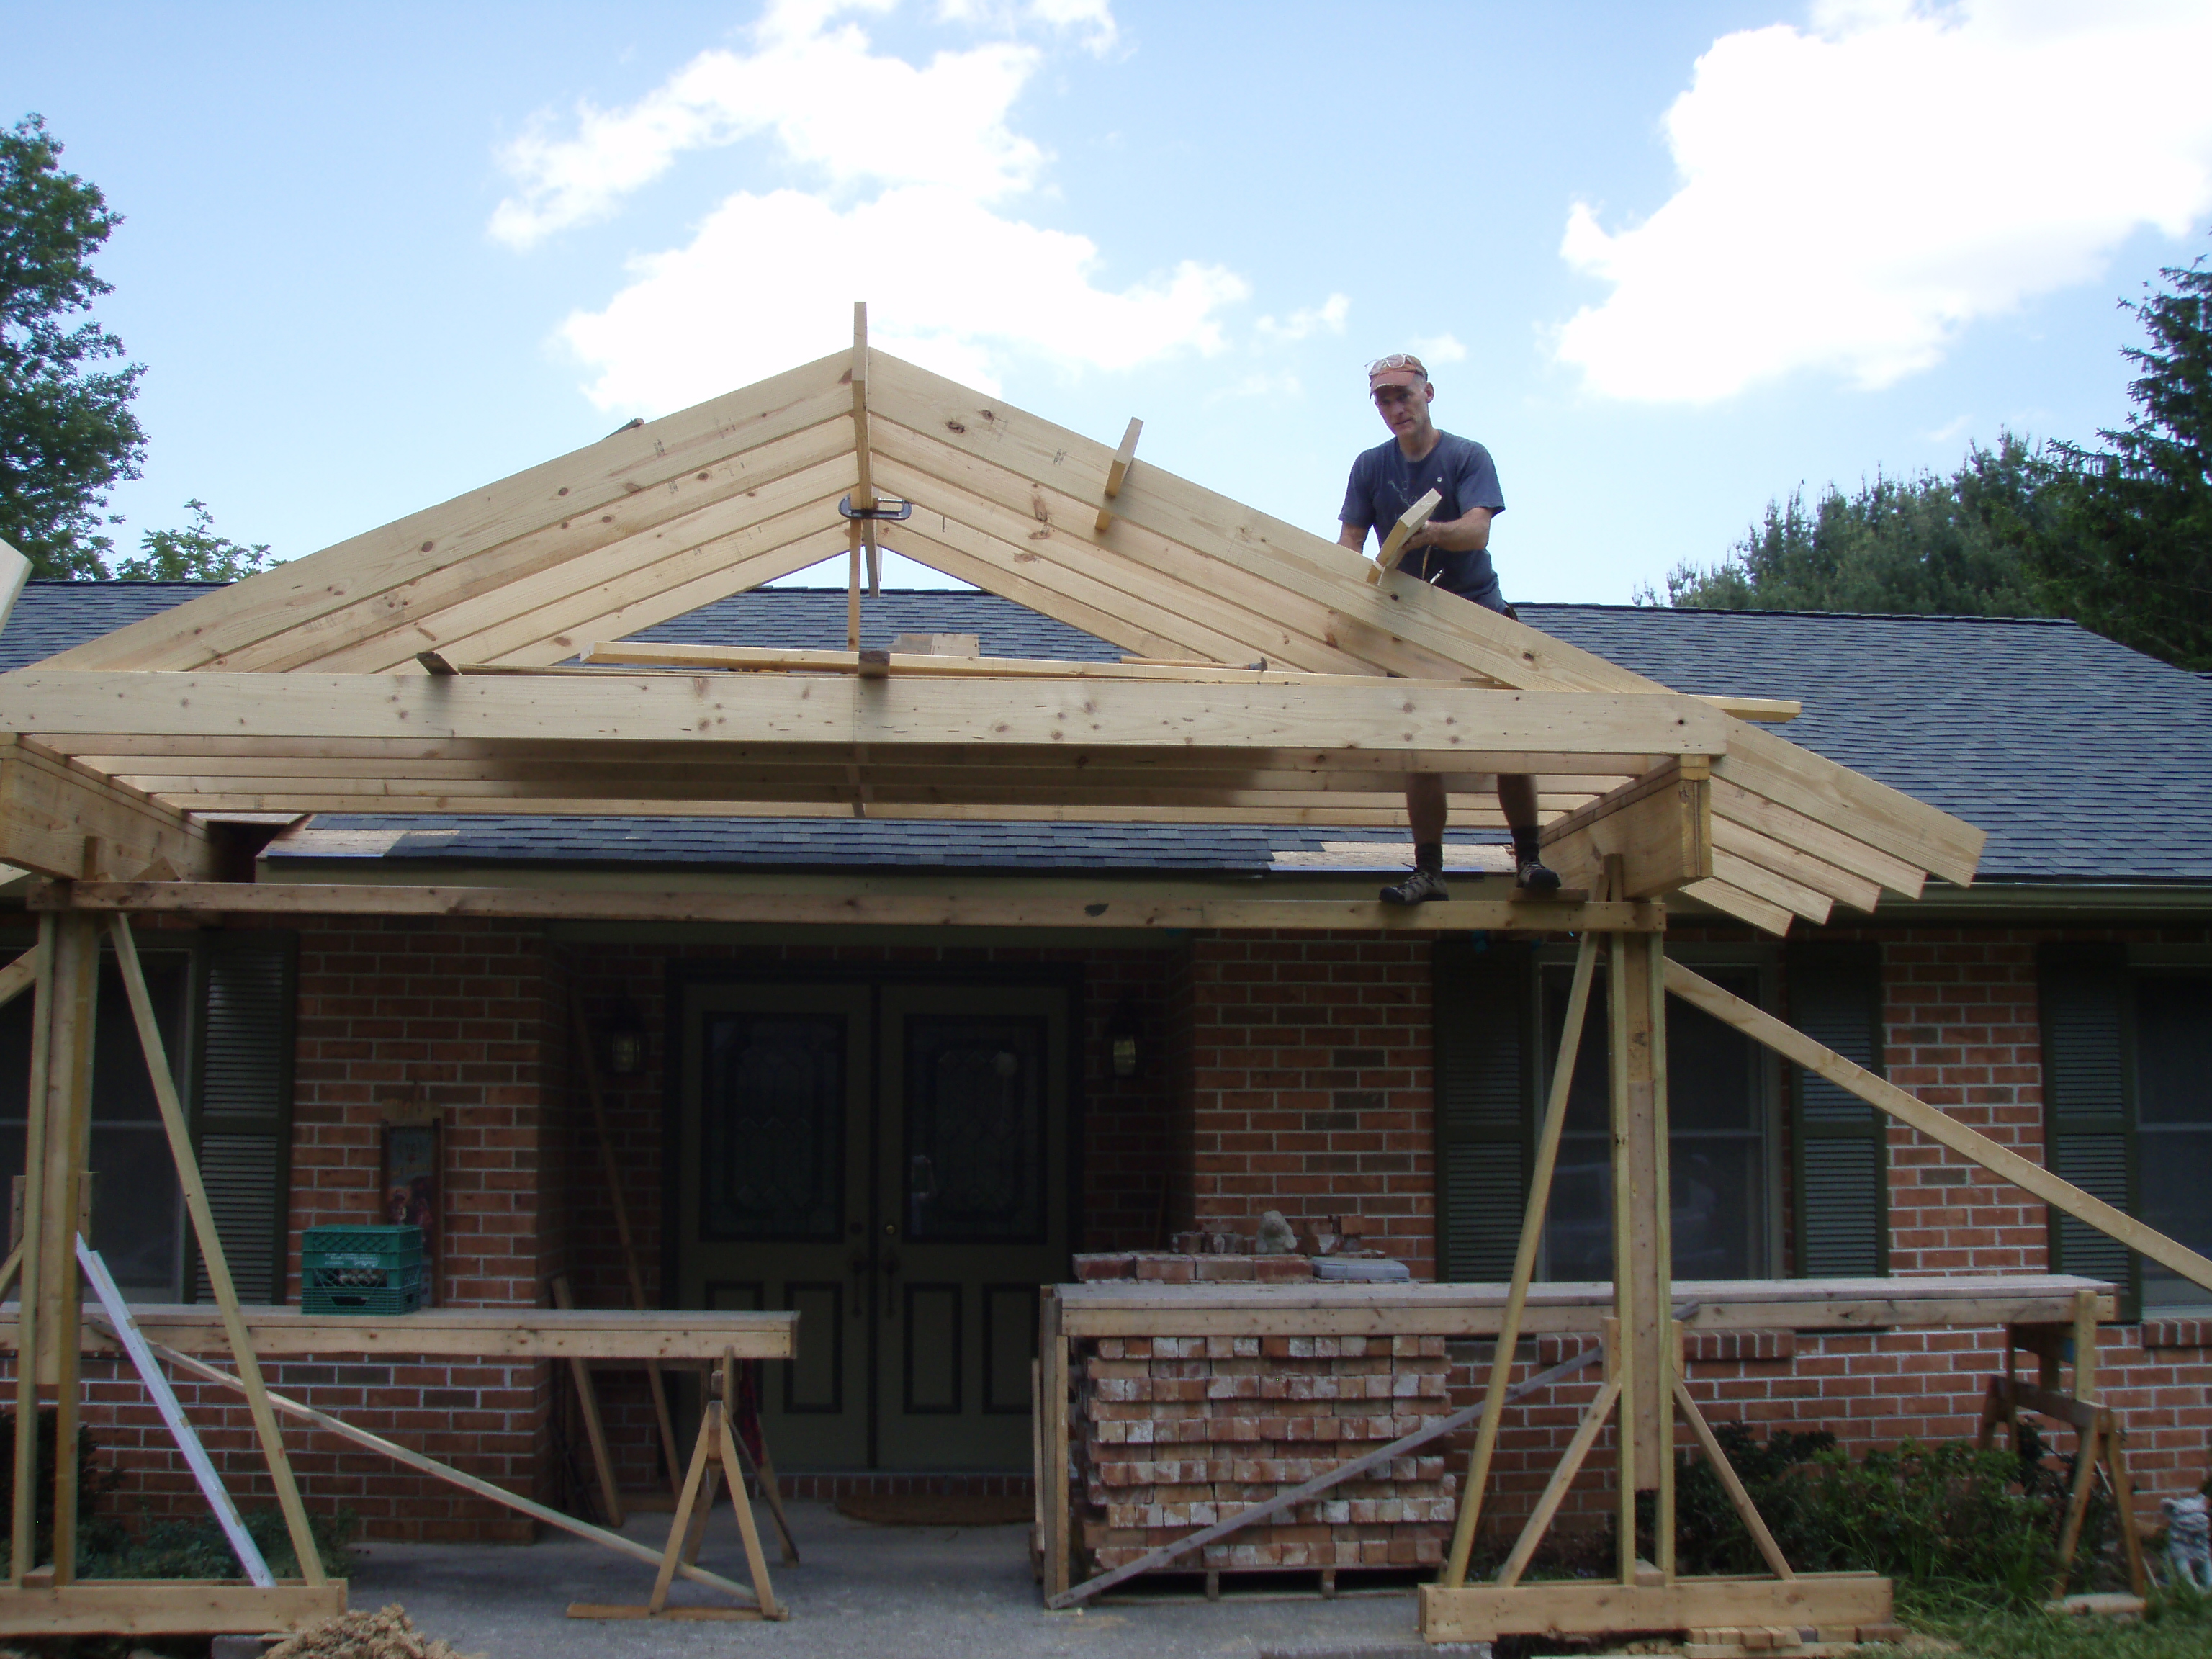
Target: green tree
{"points": [[2126, 547], [196, 554], [66, 430], [1928, 545]]}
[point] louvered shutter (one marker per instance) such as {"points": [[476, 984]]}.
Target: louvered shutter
{"points": [[1839, 1143], [2089, 1113], [244, 1105], [1482, 1079]]}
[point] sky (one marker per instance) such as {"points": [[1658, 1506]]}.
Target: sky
{"points": [[1667, 262]]}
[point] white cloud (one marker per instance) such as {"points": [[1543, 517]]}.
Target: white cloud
{"points": [[912, 218], [1436, 348], [1283, 385], [1308, 320], [946, 280], [1857, 193], [836, 109]]}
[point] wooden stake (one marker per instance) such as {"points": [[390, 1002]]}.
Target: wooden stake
{"points": [[587, 1401], [612, 1169], [212, 1260], [852, 585], [29, 1354], [1524, 1263]]}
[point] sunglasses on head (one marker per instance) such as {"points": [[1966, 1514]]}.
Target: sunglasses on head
{"points": [[1397, 359]]}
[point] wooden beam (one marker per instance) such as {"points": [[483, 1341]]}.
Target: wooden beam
{"points": [[581, 496], [1761, 882], [1481, 1612], [1740, 840], [1852, 803], [1117, 470], [212, 1260], [1388, 556], [1794, 1045], [59, 817], [1660, 826], [66, 1112], [20, 976], [971, 908], [1744, 907], [35, 1338], [767, 659], [1817, 840], [586, 711], [166, 1607], [14, 571], [864, 494]]}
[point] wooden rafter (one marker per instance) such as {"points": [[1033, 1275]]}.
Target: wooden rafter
{"points": [[674, 514]]}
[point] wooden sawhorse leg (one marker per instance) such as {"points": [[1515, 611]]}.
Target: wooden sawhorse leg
{"points": [[714, 1456]]}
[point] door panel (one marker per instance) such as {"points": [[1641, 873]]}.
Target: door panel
{"points": [[974, 1153], [890, 1161], [772, 1197]]}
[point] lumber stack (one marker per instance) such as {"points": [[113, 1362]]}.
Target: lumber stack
{"points": [[1176, 1433]]}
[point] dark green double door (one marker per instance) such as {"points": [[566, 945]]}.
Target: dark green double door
{"points": [[890, 1161]]}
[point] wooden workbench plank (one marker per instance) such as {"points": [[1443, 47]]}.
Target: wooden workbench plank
{"points": [[634, 461], [1109, 907], [489, 1332]]}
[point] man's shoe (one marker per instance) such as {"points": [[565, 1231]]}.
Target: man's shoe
{"points": [[1422, 885], [1535, 878]]}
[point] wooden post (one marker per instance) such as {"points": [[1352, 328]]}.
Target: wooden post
{"points": [[1620, 1008], [1524, 1264], [1655, 1294], [1052, 1472], [66, 1109], [29, 1354], [864, 495], [212, 1260]]}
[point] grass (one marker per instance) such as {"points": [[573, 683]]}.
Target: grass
{"points": [[2179, 1625]]}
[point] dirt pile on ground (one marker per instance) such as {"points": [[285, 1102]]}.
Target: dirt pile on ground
{"points": [[385, 1634]]}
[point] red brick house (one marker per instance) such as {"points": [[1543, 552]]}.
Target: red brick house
{"points": [[902, 1130]]}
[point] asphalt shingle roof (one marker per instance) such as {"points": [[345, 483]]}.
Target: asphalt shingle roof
{"points": [[2082, 759]]}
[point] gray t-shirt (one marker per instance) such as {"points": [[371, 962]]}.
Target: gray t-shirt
{"points": [[1384, 483]]}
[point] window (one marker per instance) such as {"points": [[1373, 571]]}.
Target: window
{"points": [[2127, 1055], [1500, 1011], [223, 1003]]}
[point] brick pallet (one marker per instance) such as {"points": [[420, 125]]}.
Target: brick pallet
{"points": [[1176, 1433]]}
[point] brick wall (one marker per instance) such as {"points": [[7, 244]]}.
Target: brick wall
{"points": [[463, 1018], [1309, 1086]]}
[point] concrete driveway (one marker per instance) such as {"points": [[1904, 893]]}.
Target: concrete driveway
{"points": [[862, 1592]]}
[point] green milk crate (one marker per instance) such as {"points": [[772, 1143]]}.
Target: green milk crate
{"points": [[361, 1270]]}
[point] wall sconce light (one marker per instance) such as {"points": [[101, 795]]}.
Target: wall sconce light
{"points": [[625, 1039], [1123, 1050]]}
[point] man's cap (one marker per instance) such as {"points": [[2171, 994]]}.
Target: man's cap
{"points": [[1396, 361]]}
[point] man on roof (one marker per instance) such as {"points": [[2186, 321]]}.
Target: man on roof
{"points": [[1451, 551]]}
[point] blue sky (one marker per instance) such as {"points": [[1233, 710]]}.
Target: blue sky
{"points": [[1666, 263]]}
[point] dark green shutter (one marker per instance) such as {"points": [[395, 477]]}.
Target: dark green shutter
{"points": [[2089, 1117], [244, 1105], [1839, 1143], [1482, 1076]]}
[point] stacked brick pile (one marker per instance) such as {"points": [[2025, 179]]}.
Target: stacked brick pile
{"points": [[1176, 1433]]}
